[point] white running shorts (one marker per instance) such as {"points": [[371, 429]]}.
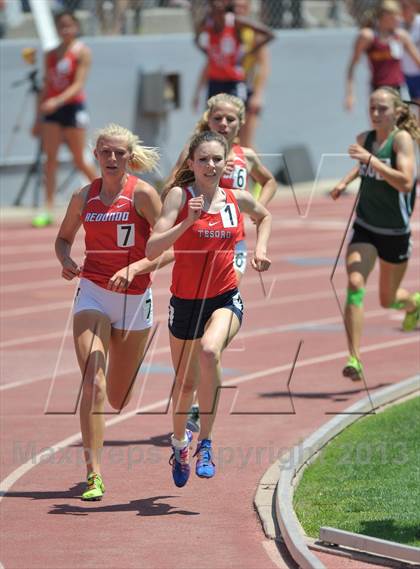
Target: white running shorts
{"points": [[125, 311]]}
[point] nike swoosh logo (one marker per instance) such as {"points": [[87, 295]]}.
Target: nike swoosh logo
{"points": [[214, 223], [121, 205]]}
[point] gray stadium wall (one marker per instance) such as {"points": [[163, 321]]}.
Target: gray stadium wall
{"points": [[303, 110]]}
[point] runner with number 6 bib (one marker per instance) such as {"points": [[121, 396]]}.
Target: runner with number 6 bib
{"points": [[113, 308]]}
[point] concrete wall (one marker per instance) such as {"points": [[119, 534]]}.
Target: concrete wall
{"points": [[304, 98]]}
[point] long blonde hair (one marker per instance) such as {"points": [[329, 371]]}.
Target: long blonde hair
{"points": [[220, 99], [406, 120], [143, 158], [184, 176]]}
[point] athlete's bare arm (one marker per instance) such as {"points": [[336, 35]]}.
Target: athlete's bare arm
{"points": [[262, 217], [67, 232], [262, 175]]}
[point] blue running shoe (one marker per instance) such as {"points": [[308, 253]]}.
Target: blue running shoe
{"points": [[205, 467], [180, 462]]}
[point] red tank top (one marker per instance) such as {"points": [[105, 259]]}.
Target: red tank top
{"points": [[61, 73], [116, 236], [385, 62], [237, 180], [204, 253], [224, 52]]}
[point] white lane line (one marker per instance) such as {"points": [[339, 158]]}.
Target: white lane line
{"points": [[14, 476], [255, 304], [57, 283], [251, 333], [159, 291]]}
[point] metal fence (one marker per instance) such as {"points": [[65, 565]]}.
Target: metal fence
{"points": [[107, 17]]}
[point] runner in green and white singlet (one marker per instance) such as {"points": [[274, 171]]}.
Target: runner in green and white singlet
{"points": [[381, 208], [382, 225]]}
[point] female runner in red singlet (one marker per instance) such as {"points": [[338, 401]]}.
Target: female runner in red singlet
{"points": [[113, 309], [62, 115], [201, 221], [225, 114]]}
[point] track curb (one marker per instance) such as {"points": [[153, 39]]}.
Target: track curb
{"points": [[274, 496]]}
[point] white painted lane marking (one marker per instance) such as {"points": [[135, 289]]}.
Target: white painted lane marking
{"points": [[8, 482]]}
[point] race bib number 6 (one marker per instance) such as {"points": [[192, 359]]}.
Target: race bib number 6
{"points": [[240, 178]]}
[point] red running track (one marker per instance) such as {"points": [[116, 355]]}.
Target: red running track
{"points": [[144, 520]]}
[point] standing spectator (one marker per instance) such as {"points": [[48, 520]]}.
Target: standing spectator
{"points": [[62, 112], [383, 43], [411, 69], [224, 71], [257, 70]]}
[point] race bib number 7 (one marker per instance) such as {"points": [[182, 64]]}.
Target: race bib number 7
{"points": [[125, 235]]}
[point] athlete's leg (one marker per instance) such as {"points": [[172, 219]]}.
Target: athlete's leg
{"points": [[187, 376], [92, 331], [360, 260], [52, 136], [76, 141], [220, 330], [126, 351], [390, 293]]}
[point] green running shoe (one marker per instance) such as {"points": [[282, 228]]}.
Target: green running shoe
{"points": [[353, 369], [95, 488], [42, 220], [411, 318]]}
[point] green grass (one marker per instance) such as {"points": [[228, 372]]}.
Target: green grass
{"points": [[367, 480]]}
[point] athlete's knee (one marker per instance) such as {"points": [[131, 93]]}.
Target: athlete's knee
{"points": [[186, 383], [210, 353], [94, 387], [355, 296], [356, 281], [51, 161], [119, 400]]}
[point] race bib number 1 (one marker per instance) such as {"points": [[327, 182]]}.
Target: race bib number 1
{"points": [[229, 218]]}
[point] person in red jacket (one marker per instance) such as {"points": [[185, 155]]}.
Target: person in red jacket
{"points": [[113, 308], [61, 115], [201, 221]]}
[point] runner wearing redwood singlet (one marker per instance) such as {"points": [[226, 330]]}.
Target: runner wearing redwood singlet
{"points": [[113, 309], [117, 229], [384, 45], [61, 113], [223, 71], [381, 229], [200, 219]]}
